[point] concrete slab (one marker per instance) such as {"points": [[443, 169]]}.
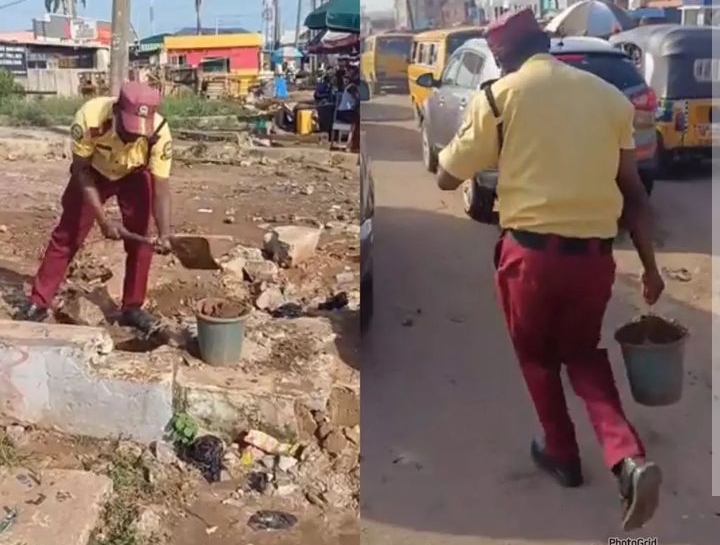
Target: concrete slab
{"points": [[287, 366], [69, 378], [58, 506]]}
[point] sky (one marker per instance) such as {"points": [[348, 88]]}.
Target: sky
{"points": [[377, 5], [170, 15]]}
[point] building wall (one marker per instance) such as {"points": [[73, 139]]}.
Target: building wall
{"points": [[62, 81], [241, 58], [454, 12]]}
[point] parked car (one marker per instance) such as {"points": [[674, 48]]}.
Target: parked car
{"points": [[473, 63], [367, 211]]}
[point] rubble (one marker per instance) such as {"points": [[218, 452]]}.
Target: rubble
{"points": [[271, 298], [290, 245], [77, 309]]}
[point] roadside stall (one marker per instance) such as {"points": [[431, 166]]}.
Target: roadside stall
{"points": [[338, 110]]}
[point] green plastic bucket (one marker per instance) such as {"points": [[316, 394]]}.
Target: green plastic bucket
{"points": [[653, 350], [220, 331]]}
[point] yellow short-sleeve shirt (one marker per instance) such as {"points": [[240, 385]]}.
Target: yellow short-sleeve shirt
{"points": [[563, 132], [94, 138]]}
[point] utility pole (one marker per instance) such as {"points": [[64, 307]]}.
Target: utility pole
{"points": [[119, 55], [297, 23]]}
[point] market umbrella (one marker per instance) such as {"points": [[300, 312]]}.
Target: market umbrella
{"points": [[591, 18], [330, 41], [339, 15], [286, 52]]}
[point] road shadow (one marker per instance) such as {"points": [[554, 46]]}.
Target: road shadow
{"points": [[447, 422], [407, 144], [375, 111]]}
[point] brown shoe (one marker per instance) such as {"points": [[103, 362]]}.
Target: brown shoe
{"points": [[640, 490]]}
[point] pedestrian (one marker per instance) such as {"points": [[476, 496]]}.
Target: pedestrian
{"points": [[121, 147], [565, 158]]}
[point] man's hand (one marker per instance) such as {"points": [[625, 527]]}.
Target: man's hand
{"points": [[162, 245], [111, 229], [653, 286]]}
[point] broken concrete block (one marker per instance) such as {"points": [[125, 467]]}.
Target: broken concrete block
{"points": [[335, 442], [270, 299], [343, 407], [54, 506], [290, 245], [79, 310], [261, 271]]}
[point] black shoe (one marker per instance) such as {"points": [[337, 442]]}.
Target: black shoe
{"points": [[141, 320], [639, 489], [567, 474], [31, 313]]}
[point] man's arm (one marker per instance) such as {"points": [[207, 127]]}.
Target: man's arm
{"points": [[160, 165], [83, 148], [637, 212], [473, 149]]}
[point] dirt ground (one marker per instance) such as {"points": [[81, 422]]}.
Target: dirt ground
{"points": [[244, 200]]}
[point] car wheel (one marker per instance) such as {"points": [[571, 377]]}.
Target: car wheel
{"points": [[366, 303], [430, 158]]}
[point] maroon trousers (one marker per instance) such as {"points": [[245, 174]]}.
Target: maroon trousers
{"points": [[554, 305], [135, 198]]}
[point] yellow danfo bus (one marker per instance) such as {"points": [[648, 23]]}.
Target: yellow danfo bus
{"points": [[430, 51], [384, 60]]}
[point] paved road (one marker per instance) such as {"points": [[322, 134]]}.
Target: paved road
{"points": [[446, 418]]}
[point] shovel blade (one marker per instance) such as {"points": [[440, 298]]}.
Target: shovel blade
{"points": [[197, 251]]}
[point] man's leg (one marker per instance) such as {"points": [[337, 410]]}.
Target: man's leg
{"points": [[135, 199], [68, 236], [529, 303], [589, 284]]}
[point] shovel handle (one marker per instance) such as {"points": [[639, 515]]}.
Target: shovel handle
{"points": [[134, 237]]}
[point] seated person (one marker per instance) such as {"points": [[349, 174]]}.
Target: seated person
{"points": [[323, 90], [348, 108]]}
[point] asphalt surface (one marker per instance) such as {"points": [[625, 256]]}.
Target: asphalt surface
{"points": [[446, 418]]}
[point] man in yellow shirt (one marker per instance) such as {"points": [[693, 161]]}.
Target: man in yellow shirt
{"points": [[122, 147], [562, 142]]}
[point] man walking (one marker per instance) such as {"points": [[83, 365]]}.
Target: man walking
{"points": [[566, 165], [121, 147]]}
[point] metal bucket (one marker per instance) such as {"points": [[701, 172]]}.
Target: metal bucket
{"points": [[220, 339], [655, 366]]}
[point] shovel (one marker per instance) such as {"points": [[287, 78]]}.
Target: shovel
{"points": [[192, 251]]}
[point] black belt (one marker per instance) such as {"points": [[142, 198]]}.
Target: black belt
{"points": [[563, 245]]}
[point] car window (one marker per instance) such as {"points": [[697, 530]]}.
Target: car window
{"points": [[457, 39], [619, 71], [450, 74], [433, 54], [469, 70], [399, 46]]}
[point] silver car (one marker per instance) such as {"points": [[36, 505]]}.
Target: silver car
{"points": [[367, 212], [473, 63]]}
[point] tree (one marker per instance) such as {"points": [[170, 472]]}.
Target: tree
{"points": [[68, 7], [198, 22]]}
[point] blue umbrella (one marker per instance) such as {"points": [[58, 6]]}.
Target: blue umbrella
{"points": [[287, 52]]}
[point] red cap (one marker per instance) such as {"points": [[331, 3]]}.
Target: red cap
{"points": [[505, 33], [137, 105]]}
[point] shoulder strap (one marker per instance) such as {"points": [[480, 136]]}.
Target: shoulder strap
{"points": [[487, 88], [154, 137]]}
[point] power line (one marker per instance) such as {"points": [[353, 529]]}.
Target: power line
{"points": [[11, 4]]}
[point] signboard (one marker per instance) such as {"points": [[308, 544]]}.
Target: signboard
{"points": [[82, 30], [13, 58]]}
